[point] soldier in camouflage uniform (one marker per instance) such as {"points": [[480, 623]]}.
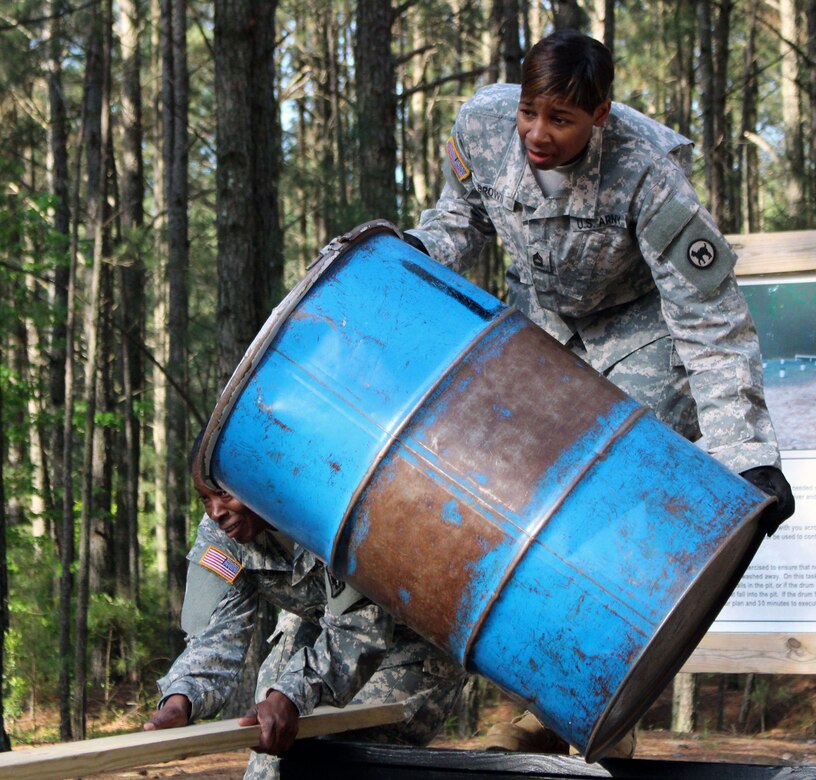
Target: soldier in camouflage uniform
{"points": [[612, 252], [330, 645]]}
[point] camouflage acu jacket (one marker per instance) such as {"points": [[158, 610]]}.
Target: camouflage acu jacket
{"points": [[225, 580], [622, 255]]}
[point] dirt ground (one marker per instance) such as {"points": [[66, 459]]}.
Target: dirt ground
{"points": [[787, 711]]}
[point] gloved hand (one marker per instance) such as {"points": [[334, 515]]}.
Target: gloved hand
{"points": [[413, 241], [771, 480]]}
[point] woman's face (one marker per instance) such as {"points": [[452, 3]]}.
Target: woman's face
{"points": [[235, 519], [555, 132]]}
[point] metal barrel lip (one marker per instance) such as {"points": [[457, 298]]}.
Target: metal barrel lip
{"points": [[257, 349], [748, 535]]}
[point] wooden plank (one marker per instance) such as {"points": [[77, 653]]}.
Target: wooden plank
{"points": [[105, 754], [759, 653], [789, 251]]}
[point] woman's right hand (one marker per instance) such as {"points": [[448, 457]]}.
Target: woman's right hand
{"points": [[174, 713]]}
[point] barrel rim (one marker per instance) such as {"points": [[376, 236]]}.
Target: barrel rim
{"points": [[599, 743], [257, 349]]}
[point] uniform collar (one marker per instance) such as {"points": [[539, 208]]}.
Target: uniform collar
{"points": [[580, 196]]}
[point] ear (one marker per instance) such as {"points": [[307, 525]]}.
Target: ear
{"points": [[600, 114]]}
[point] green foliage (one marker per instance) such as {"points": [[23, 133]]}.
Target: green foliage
{"points": [[32, 658]]}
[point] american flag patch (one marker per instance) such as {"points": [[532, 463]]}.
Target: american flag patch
{"points": [[221, 564], [457, 164]]}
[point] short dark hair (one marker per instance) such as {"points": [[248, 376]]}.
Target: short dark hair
{"points": [[569, 65]]}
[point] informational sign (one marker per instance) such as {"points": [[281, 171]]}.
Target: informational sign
{"points": [[778, 591]]}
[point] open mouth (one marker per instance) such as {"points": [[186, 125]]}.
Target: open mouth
{"points": [[537, 157], [231, 526]]}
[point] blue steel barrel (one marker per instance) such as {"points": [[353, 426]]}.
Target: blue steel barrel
{"points": [[465, 471]]}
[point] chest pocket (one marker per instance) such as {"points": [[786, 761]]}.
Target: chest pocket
{"points": [[562, 260]]}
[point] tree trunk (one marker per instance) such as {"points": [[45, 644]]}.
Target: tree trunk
{"points": [[603, 25], [250, 260], [707, 97], [98, 98], [791, 114], [466, 710], [175, 94], [160, 344], [67, 549], [5, 743], [684, 36], [61, 356], [721, 205], [745, 707], [569, 14], [131, 285], [376, 109], [810, 12], [713, 82], [59, 187], [511, 43], [331, 131], [750, 221], [684, 706]]}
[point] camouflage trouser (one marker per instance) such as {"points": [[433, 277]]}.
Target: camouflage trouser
{"points": [[411, 672], [655, 376]]}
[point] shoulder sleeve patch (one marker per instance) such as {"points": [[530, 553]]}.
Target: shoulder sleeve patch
{"points": [[202, 595], [460, 170], [222, 564], [684, 233]]}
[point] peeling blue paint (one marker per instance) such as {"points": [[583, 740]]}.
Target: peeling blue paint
{"points": [[451, 513]]}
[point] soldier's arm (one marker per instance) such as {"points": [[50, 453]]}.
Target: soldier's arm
{"points": [[457, 228], [708, 318], [218, 617], [356, 634]]}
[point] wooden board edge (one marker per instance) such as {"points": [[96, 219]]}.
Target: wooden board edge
{"points": [[105, 754]]}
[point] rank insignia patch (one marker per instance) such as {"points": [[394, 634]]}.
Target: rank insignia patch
{"points": [[457, 164], [221, 563], [701, 253]]}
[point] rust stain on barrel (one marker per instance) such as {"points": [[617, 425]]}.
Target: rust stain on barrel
{"points": [[494, 429], [487, 438], [417, 561]]}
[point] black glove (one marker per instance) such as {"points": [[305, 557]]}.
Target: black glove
{"points": [[771, 480], [413, 241]]}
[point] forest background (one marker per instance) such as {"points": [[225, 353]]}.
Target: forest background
{"points": [[168, 168]]}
